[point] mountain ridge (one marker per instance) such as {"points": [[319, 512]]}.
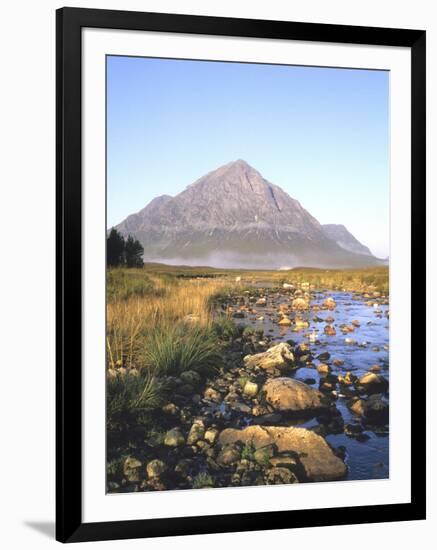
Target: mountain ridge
{"points": [[233, 217]]}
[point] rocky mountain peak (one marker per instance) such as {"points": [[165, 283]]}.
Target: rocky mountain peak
{"points": [[232, 216]]}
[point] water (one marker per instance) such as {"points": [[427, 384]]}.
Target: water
{"points": [[365, 459]]}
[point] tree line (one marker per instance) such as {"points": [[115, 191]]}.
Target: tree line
{"points": [[123, 252]]}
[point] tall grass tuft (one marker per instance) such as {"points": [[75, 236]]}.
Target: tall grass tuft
{"points": [[173, 350], [129, 395]]}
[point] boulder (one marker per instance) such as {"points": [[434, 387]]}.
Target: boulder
{"points": [[286, 394], [277, 357], [318, 461]]}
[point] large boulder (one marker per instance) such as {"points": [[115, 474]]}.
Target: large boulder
{"points": [[318, 461], [277, 357], [286, 394]]}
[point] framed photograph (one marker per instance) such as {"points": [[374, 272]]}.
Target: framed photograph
{"points": [[240, 274]]}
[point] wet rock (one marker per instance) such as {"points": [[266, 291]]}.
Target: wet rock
{"points": [[155, 468], [373, 383], [315, 456], [132, 469], [323, 368], [329, 330], [357, 406], [338, 362], [250, 389], [261, 302], [174, 438], [351, 430], [324, 356], [330, 303], [376, 410], [197, 431], [299, 304], [277, 357], [285, 322], [286, 394], [212, 395], [375, 368], [211, 435], [347, 380]]}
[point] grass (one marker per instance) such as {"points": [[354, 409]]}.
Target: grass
{"points": [[181, 347]]}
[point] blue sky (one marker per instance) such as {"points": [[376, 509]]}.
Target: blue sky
{"points": [[319, 133]]}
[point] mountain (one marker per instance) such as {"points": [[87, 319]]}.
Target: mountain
{"points": [[343, 238], [233, 217]]}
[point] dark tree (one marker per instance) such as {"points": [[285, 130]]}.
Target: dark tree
{"points": [[133, 252], [115, 249]]}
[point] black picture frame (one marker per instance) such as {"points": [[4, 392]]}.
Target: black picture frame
{"points": [[69, 23]]}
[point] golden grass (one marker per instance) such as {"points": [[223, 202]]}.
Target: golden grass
{"points": [[179, 301]]}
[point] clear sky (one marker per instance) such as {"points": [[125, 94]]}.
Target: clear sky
{"points": [[319, 133]]}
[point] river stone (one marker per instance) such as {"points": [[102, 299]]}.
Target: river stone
{"points": [[373, 383], [196, 432], [286, 394], [323, 368], [211, 435], [174, 438], [277, 357], [280, 476], [155, 468], [329, 330], [250, 389], [285, 322], [131, 469], [330, 303], [299, 304], [376, 410], [357, 406], [315, 455]]}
